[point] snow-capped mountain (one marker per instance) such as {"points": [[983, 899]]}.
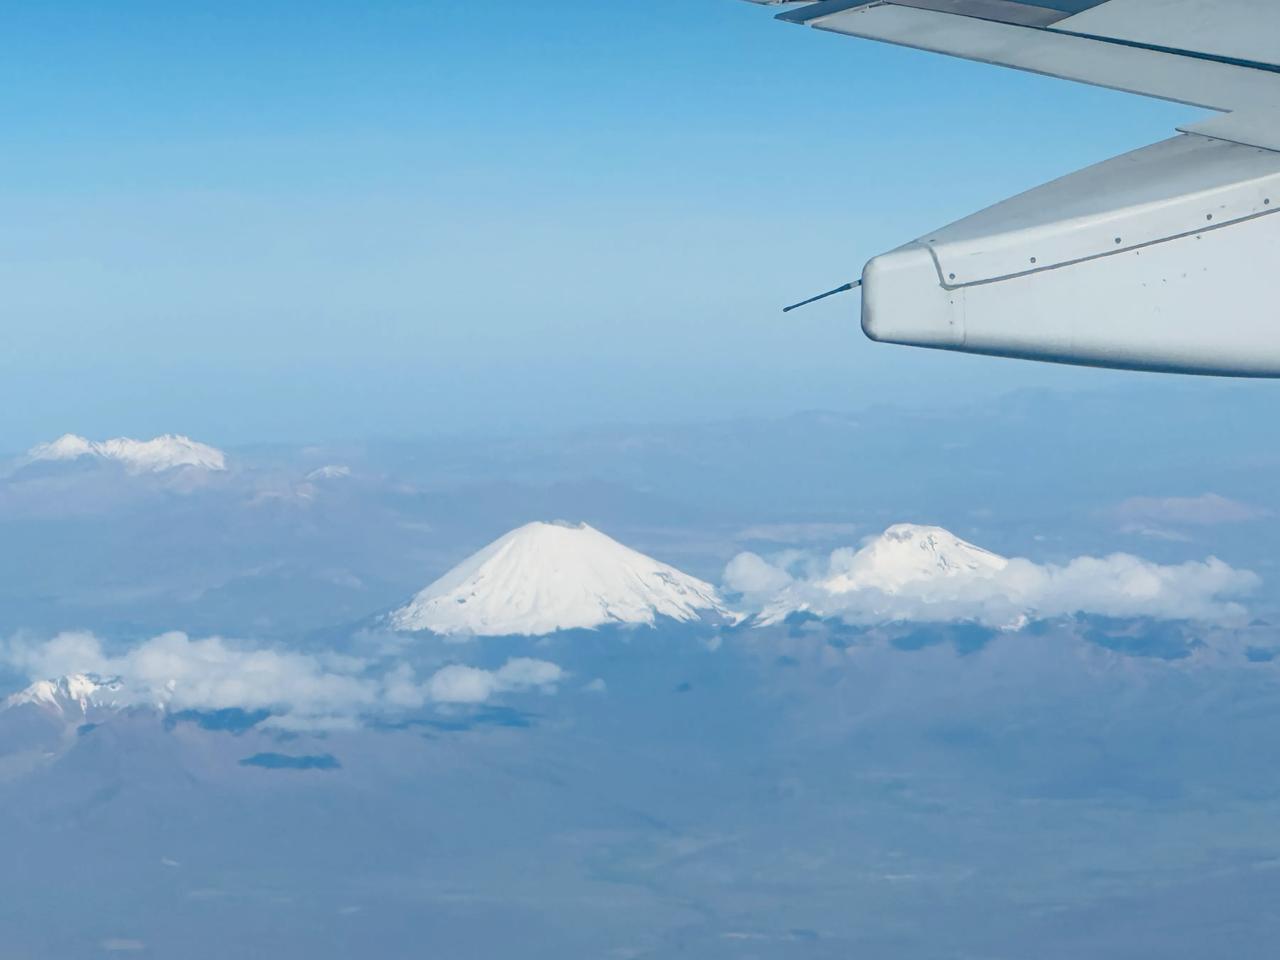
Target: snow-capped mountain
{"points": [[330, 471], [138, 456], [908, 553], [545, 577], [72, 696], [926, 563]]}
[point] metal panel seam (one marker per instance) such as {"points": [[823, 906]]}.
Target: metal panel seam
{"points": [[1098, 256]]}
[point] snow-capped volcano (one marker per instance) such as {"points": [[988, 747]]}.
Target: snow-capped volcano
{"points": [[907, 553], [914, 574], [906, 569], [138, 456], [71, 696], [545, 577]]}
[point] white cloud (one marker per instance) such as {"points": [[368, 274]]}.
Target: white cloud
{"points": [[179, 673], [302, 690], [999, 594], [521, 673], [457, 683], [752, 575], [67, 653], [401, 688]]}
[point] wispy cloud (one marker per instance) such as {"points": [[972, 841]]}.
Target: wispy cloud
{"points": [[122, 945], [1206, 510], [797, 532]]}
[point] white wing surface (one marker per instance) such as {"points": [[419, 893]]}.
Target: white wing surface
{"points": [[1161, 259]]}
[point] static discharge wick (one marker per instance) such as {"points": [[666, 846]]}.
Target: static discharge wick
{"points": [[851, 285]]}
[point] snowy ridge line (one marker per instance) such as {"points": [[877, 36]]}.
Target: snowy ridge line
{"points": [[74, 693], [161, 453]]}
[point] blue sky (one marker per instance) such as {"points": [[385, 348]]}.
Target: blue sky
{"points": [[278, 221]]}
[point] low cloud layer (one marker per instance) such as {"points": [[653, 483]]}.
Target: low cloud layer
{"points": [[858, 586], [301, 690]]}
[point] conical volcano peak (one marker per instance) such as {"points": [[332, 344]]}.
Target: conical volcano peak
{"points": [[543, 577]]}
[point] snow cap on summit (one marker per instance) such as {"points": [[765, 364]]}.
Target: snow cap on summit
{"points": [[906, 553], [74, 694], [545, 577], [138, 456]]}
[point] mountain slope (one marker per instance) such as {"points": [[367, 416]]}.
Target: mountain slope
{"points": [[545, 577]]}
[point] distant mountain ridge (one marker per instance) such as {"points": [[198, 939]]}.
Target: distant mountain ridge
{"points": [[72, 696], [545, 577], [156, 455]]}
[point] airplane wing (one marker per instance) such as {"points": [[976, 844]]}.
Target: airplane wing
{"points": [[1160, 259]]}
